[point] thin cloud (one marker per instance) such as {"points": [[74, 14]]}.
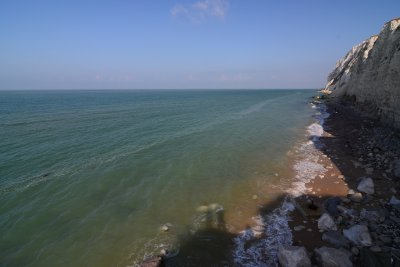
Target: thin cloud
{"points": [[202, 10]]}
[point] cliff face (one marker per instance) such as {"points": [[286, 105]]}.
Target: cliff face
{"points": [[369, 75]]}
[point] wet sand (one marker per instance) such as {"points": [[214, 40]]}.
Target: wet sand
{"points": [[346, 155]]}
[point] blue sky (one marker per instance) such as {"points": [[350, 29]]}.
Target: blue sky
{"points": [[181, 43]]}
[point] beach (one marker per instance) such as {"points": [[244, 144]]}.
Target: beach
{"points": [[352, 147]]}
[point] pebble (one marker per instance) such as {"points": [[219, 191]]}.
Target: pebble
{"points": [[299, 228], [345, 200], [356, 197], [355, 251]]}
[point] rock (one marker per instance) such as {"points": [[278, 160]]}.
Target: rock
{"points": [[369, 258], [163, 252], [164, 228], [215, 207], [358, 235], [356, 197], [394, 201], [396, 169], [331, 206], [351, 192], [355, 251], [293, 256], [370, 215], [375, 249], [202, 209], [326, 223], [369, 170], [335, 238], [345, 200], [387, 240], [366, 185], [299, 228], [333, 257]]}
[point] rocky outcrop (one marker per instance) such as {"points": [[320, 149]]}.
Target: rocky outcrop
{"points": [[369, 75]]}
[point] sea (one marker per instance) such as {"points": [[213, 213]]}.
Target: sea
{"points": [[115, 177]]}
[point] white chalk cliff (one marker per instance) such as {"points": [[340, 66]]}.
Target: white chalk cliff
{"points": [[369, 75]]}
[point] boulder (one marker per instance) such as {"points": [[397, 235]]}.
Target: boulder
{"points": [[336, 239], [326, 223], [366, 185], [333, 257], [358, 235], [293, 256]]}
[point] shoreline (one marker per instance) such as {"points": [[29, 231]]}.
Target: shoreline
{"points": [[335, 157], [352, 147]]}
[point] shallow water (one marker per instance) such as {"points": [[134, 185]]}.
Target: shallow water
{"points": [[89, 177]]}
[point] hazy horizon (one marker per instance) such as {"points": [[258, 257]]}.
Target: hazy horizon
{"points": [[182, 44]]}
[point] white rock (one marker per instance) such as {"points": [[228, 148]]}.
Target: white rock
{"points": [[368, 74], [359, 235], [293, 257], [326, 223], [366, 185]]}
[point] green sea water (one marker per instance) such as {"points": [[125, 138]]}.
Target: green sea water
{"points": [[87, 178]]}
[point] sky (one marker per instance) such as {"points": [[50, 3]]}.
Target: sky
{"points": [[180, 44]]}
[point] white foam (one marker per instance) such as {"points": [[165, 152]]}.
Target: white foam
{"points": [[258, 246], [307, 166], [252, 250]]}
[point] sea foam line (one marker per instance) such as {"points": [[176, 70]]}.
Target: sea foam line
{"points": [[259, 245]]}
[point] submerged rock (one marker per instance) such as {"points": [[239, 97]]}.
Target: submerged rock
{"points": [[326, 223], [202, 208], [366, 185], [293, 256], [359, 235], [333, 257]]}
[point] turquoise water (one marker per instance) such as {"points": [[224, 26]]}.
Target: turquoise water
{"points": [[87, 178]]}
